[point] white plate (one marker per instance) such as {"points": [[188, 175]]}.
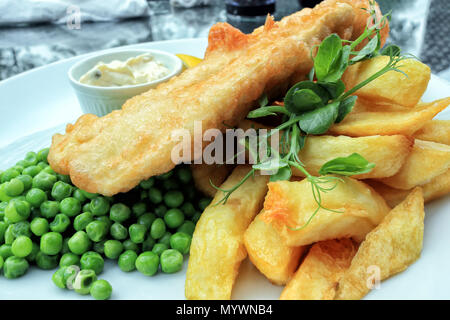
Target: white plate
{"points": [[38, 103]]}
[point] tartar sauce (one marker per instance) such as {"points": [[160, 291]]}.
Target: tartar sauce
{"points": [[137, 70]]}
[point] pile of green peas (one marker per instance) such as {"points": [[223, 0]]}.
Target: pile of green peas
{"points": [[47, 221]]}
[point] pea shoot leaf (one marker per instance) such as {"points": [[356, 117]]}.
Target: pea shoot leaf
{"points": [[367, 50], [305, 100], [266, 111], [283, 173], [319, 120], [345, 107], [347, 166], [335, 89], [391, 50], [325, 59]]}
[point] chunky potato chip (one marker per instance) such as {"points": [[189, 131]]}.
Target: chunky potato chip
{"points": [[436, 188], [289, 206], [388, 153], [269, 254], [217, 247], [436, 131], [426, 161], [204, 173], [393, 87], [389, 249], [320, 271], [386, 122]]}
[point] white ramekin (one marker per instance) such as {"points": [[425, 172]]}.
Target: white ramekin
{"points": [[102, 100]]}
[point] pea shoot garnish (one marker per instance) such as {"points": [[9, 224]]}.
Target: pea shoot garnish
{"points": [[312, 106]]}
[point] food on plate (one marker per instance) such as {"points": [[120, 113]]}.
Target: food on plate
{"points": [[269, 254], [205, 174], [388, 153], [320, 271], [426, 161], [136, 70], [404, 88], [435, 131], [436, 188], [114, 153], [390, 248], [373, 122], [217, 247], [349, 209]]}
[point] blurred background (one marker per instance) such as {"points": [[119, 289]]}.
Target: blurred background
{"points": [[37, 32]]}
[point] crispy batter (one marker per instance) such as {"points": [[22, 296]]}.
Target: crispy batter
{"points": [[114, 153], [217, 247], [269, 254], [426, 161], [392, 246], [435, 131], [318, 275]]}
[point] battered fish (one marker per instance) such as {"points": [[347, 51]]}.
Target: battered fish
{"points": [[114, 153]]}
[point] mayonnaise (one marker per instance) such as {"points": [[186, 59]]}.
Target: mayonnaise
{"points": [[141, 69]]}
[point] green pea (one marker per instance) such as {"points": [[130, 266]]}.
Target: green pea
{"points": [[45, 261], [165, 238], [139, 209], [173, 199], [148, 244], [15, 267], [171, 261], [147, 184], [65, 247], [36, 197], [64, 178], [84, 281], [187, 227], [99, 247], [50, 171], [97, 230], [146, 220], [170, 184], [60, 223], [43, 154], [9, 174], [77, 194], [14, 187], [70, 273], [58, 277], [1, 262], [130, 245], [31, 158], [113, 249], [82, 220], [101, 290], [42, 165], [158, 228], [147, 263], [159, 248], [89, 195], [143, 194], [93, 261], [33, 254], [61, 190], [21, 163], [3, 205], [196, 217], [26, 180], [188, 209], [21, 228], [127, 261], [155, 196], [86, 207], [203, 203], [70, 206], [32, 171], [180, 241], [160, 210], [22, 246], [184, 175], [3, 196], [119, 212], [3, 227], [49, 209], [105, 219], [118, 231], [79, 243], [165, 176], [99, 206], [44, 181], [69, 259], [35, 213], [174, 218], [5, 251], [9, 236], [137, 233], [51, 243], [17, 210]]}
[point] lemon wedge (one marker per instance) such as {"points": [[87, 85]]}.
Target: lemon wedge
{"points": [[189, 61]]}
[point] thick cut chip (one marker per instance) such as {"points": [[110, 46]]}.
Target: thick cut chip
{"points": [[389, 249], [204, 174], [426, 161], [393, 87], [318, 275], [269, 254], [388, 153], [436, 131], [293, 211], [436, 188], [217, 247], [387, 122]]}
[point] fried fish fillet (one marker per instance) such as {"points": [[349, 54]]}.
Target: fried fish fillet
{"points": [[114, 153]]}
